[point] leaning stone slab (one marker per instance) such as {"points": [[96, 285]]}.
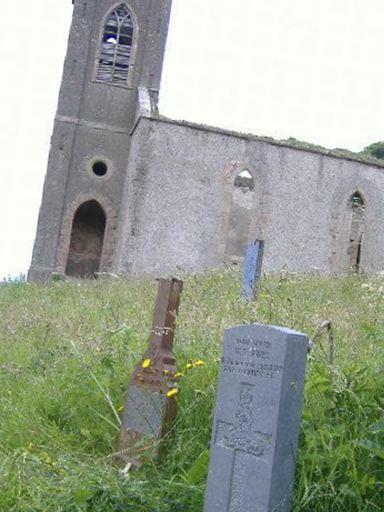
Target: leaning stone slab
{"points": [[150, 407], [257, 420]]}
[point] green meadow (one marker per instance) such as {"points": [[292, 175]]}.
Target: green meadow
{"points": [[66, 354]]}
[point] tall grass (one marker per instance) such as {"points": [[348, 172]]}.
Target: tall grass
{"points": [[57, 429]]}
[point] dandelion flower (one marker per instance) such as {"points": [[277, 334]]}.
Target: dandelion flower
{"points": [[178, 375], [146, 363], [199, 363], [172, 392]]}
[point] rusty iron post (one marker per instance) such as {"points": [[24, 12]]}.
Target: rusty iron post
{"points": [[148, 410]]}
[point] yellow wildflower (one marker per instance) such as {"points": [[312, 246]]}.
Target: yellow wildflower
{"points": [[121, 408], [189, 366], [178, 375], [199, 363], [172, 392], [146, 363]]}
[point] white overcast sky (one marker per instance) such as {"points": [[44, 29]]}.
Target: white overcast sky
{"points": [[308, 69]]}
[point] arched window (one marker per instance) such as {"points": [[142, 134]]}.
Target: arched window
{"points": [[116, 49], [245, 181], [87, 239], [240, 215], [357, 202], [357, 206]]}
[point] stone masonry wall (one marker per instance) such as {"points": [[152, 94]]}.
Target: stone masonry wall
{"points": [[179, 201]]}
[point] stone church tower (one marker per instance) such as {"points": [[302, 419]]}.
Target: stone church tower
{"points": [[111, 75]]}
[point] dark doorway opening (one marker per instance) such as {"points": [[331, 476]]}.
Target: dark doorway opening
{"points": [[87, 238]]}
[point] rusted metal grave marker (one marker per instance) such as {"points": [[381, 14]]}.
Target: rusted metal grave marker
{"points": [[150, 406], [252, 270]]}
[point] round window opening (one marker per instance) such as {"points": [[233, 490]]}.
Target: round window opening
{"points": [[99, 168]]}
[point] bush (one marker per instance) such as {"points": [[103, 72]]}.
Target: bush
{"points": [[376, 150]]}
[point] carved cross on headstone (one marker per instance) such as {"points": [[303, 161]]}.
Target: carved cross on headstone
{"points": [[257, 419], [252, 270], [242, 436], [148, 410], [243, 439]]}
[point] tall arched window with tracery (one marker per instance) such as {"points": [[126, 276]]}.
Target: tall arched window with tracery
{"points": [[116, 47]]}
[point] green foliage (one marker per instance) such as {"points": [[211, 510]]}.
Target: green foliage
{"points": [[376, 150], [68, 348], [21, 278]]}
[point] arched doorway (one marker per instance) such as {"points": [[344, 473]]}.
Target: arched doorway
{"points": [[87, 237]]}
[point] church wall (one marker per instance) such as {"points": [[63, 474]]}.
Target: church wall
{"points": [[172, 203], [179, 192]]}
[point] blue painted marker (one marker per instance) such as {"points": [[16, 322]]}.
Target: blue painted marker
{"points": [[252, 270]]}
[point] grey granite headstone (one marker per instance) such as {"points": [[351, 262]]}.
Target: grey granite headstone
{"points": [[252, 270], [257, 420]]}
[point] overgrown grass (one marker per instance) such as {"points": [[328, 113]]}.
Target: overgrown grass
{"points": [[57, 431]]}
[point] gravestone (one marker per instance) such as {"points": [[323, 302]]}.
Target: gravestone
{"points": [[257, 419], [252, 270], [148, 410]]}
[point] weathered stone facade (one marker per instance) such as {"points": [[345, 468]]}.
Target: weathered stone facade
{"points": [[93, 124], [180, 204], [170, 195]]}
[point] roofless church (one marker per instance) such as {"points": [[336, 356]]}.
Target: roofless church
{"points": [[130, 192]]}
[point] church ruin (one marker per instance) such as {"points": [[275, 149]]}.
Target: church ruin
{"points": [[130, 192]]}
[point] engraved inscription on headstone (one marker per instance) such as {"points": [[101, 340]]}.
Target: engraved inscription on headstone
{"points": [[257, 419], [252, 270]]}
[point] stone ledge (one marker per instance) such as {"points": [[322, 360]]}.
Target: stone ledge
{"points": [[292, 143]]}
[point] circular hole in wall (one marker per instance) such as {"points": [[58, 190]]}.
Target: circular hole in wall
{"points": [[99, 168]]}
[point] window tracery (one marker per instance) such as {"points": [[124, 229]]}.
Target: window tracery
{"points": [[116, 50]]}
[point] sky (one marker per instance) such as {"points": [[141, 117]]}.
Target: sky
{"points": [[305, 69]]}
